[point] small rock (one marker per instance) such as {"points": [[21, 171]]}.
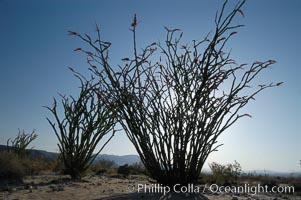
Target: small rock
{"points": [[58, 188], [234, 198]]}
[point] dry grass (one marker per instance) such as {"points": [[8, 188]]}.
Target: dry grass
{"points": [[15, 167]]}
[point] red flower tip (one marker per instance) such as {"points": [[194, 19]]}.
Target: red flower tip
{"points": [[248, 115], [125, 59], [250, 71], [134, 23], [77, 49], [71, 69], [258, 63], [272, 61], [233, 33], [72, 33], [89, 53], [241, 12]]}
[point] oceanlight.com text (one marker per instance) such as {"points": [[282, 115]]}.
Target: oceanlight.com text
{"points": [[250, 189], [213, 188]]}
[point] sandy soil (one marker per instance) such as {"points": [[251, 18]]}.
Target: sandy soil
{"points": [[50, 186]]}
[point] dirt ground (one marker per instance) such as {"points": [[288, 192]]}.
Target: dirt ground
{"points": [[51, 186]]}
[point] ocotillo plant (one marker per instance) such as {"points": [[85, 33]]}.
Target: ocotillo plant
{"points": [[21, 142], [85, 122], [175, 100]]}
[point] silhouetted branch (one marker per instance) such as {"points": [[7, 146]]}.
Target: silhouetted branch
{"points": [[21, 142], [85, 122]]}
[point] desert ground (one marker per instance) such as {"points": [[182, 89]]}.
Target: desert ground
{"points": [[50, 186]]}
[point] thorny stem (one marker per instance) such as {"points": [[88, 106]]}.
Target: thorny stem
{"points": [[173, 110]]}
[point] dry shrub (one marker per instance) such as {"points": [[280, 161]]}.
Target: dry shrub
{"points": [[138, 169], [11, 167], [269, 181], [15, 167], [96, 169], [225, 174], [104, 166], [124, 170]]}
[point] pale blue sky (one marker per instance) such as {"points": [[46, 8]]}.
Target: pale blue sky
{"points": [[36, 51]]}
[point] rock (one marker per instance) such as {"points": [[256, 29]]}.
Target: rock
{"points": [[234, 198], [60, 188], [57, 188]]}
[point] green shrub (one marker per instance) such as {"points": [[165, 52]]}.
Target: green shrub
{"points": [[138, 168], [134, 169], [124, 170], [104, 166]]}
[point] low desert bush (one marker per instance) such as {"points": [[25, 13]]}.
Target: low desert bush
{"points": [[224, 174], [134, 169], [104, 166], [13, 166], [270, 182], [138, 169], [124, 170], [56, 165]]}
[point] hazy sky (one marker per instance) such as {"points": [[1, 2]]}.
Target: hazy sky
{"points": [[36, 51]]}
